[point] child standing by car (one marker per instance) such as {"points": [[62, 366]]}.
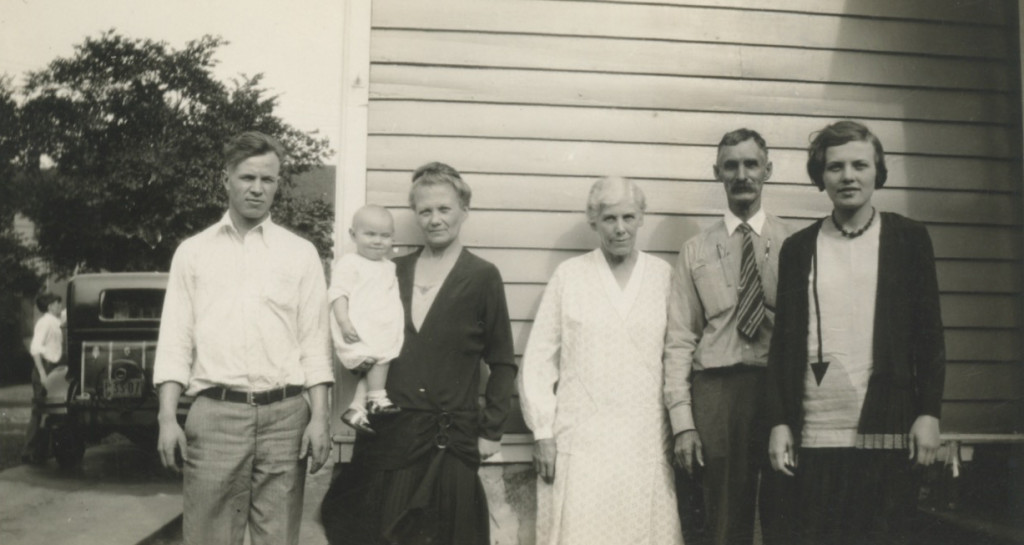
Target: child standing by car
{"points": [[46, 349], [368, 323]]}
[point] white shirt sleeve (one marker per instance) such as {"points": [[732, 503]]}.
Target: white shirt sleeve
{"points": [[539, 372], [685, 321], [176, 345], [344, 278], [313, 327], [39, 337]]}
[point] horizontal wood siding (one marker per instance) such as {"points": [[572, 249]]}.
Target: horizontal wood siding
{"points": [[532, 100]]}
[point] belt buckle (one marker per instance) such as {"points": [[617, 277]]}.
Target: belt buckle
{"points": [[249, 398], [444, 422]]}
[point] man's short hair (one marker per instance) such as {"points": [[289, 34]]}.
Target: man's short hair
{"points": [[738, 136], [45, 299], [435, 173], [837, 134], [250, 144], [611, 190]]}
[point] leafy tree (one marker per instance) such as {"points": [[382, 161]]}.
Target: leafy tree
{"points": [[304, 215], [134, 130], [18, 278]]}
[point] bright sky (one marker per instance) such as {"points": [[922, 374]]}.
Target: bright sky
{"points": [[295, 44]]}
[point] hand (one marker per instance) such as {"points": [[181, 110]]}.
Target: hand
{"points": [[316, 443], [171, 441], [781, 450], [348, 332], [365, 366], [687, 448], [544, 453], [487, 447], [924, 439]]}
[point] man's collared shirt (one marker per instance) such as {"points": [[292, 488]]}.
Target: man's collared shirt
{"points": [[47, 338], [702, 317], [244, 312]]}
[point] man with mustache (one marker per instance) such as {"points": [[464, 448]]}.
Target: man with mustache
{"points": [[721, 313], [244, 329]]}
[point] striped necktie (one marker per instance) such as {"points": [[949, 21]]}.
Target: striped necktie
{"points": [[750, 310]]}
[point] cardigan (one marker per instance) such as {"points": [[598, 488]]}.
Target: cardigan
{"points": [[438, 368], [909, 351]]}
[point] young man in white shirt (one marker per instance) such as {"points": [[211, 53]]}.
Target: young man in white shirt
{"points": [[47, 349], [244, 329]]}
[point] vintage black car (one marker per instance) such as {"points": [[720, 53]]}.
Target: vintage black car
{"points": [[113, 321]]}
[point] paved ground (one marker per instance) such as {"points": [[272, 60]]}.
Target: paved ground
{"points": [[117, 497], [14, 414], [120, 496]]}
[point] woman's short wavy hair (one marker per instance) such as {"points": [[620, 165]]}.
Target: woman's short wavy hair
{"points": [[837, 134], [611, 190], [435, 173]]}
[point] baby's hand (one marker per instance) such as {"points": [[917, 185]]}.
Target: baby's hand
{"points": [[365, 366], [348, 332]]}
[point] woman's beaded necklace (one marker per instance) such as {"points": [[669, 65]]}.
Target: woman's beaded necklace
{"points": [[858, 232]]}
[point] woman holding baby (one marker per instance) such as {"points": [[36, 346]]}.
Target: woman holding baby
{"points": [[414, 478]]}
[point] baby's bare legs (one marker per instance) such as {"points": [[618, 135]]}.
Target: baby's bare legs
{"points": [[377, 397], [377, 376], [359, 397]]}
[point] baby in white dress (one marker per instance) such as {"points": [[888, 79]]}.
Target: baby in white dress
{"points": [[369, 321]]}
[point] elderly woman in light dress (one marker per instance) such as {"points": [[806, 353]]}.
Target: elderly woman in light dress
{"points": [[590, 387]]}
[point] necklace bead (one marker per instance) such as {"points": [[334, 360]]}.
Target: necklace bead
{"points": [[858, 232]]}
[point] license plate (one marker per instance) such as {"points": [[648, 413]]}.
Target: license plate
{"points": [[126, 389]]}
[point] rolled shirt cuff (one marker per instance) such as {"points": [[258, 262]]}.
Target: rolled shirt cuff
{"points": [[543, 433], [681, 417], [181, 375], [318, 372]]}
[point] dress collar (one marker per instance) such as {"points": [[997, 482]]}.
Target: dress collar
{"points": [[756, 222], [264, 230]]}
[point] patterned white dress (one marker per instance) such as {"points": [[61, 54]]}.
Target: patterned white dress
{"points": [[602, 345]]}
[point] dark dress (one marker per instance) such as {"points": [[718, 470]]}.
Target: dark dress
{"points": [[416, 481]]}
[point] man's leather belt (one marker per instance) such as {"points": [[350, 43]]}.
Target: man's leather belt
{"points": [[265, 397]]}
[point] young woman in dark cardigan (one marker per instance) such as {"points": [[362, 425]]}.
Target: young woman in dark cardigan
{"points": [[414, 480], [857, 361]]}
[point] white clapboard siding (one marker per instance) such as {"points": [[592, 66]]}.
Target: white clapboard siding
{"points": [[999, 381], [516, 86], [665, 233], [532, 100], [620, 56], [685, 23], [388, 117], [656, 160], [568, 194], [983, 12]]}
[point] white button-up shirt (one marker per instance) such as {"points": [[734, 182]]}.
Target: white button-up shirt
{"points": [[47, 338], [244, 312], [702, 313]]}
